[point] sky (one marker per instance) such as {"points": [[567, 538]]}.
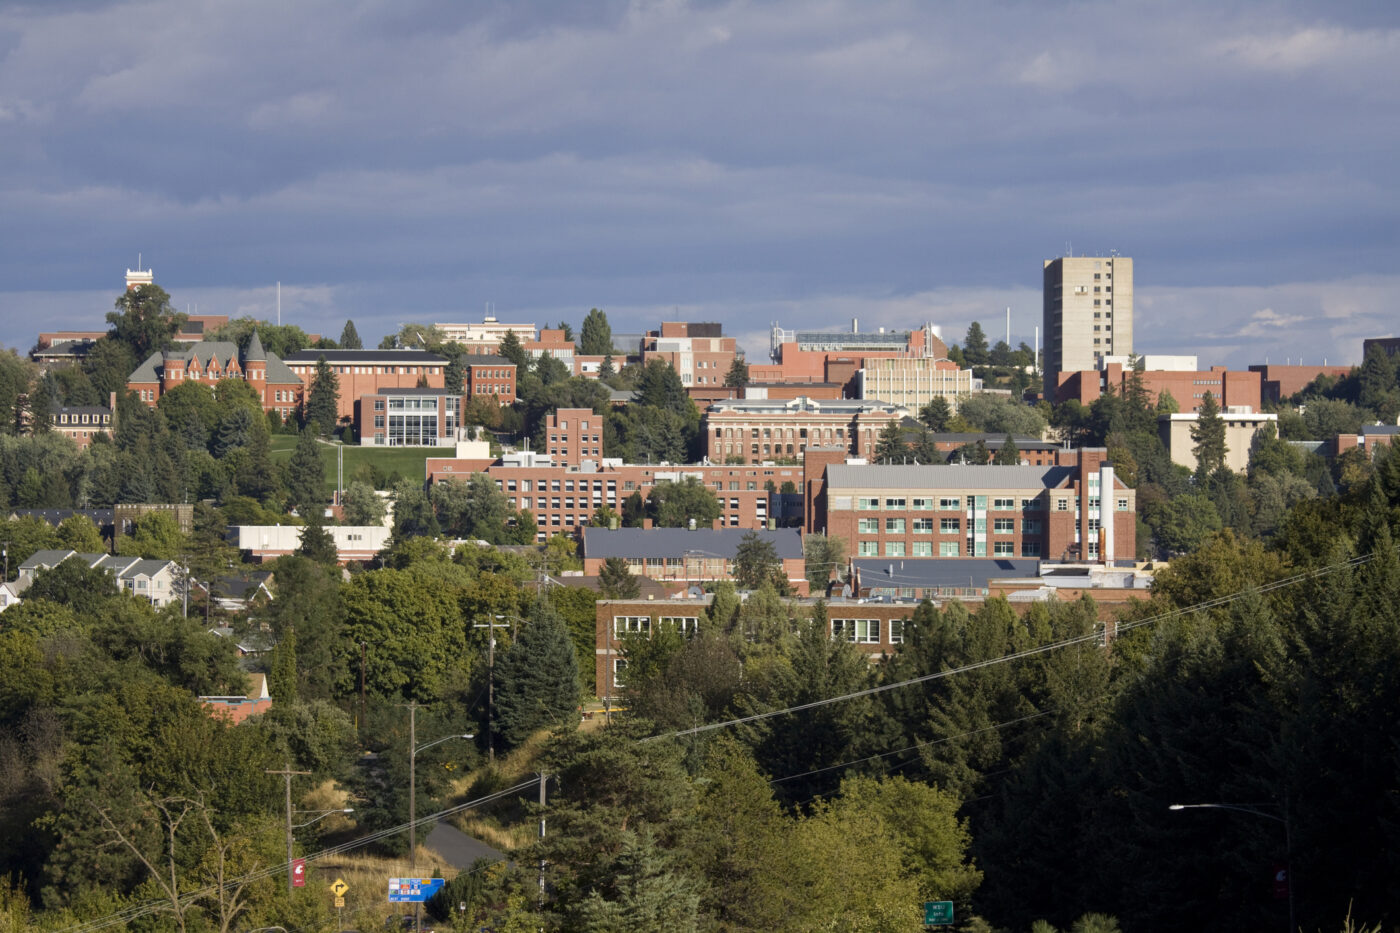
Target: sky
{"points": [[751, 163]]}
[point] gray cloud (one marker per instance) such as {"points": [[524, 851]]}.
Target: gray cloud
{"points": [[744, 162]]}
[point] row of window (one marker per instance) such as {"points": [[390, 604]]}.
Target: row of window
{"points": [[860, 631], [946, 503], [63, 418], [947, 526], [947, 549]]}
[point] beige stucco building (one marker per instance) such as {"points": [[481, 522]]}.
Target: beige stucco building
{"points": [[1241, 424], [913, 383], [1087, 313]]}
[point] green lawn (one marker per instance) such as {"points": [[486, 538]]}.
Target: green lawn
{"points": [[407, 461]]}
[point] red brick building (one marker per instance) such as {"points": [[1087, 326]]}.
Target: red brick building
{"points": [[1231, 388], [1076, 510], [488, 376], [758, 430], [277, 386], [1283, 382], [364, 372], [83, 422], [698, 351], [573, 435]]}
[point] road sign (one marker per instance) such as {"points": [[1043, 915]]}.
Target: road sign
{"points": [[413, 890], [340, 902], [299, 873], [339, 887], [938, 913]]}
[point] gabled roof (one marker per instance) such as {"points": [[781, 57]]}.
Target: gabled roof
{"points": [[679, 542]]}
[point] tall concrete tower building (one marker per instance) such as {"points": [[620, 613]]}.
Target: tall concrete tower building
{"points": [[1088, 313]]}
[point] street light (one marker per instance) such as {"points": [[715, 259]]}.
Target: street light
{"points": [[1253, 810], [413, 749]]}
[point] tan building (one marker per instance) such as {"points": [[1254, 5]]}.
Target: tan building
{"points": [[913, 383], [1241, 424], [1087, 313], [758, 430], [485, 337]]}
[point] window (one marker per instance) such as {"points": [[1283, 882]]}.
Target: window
{"points": [[947, 549], [1004, 526], [897, 631], [1032, 504], [923, 549], [619, 665], [1004, 549], [950, 503], [860, 631], [1061, 505], [921, 504], [949, 526], [895, 503], [1030, 548], [868, 526], [868, 549], [1122, 505], [686, 625], [894, 526], [1030, 526], [923, 526], [1004, 504], [867, 503], [894, 548]]}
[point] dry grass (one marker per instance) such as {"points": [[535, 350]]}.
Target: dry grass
{"points": [[502, 824]]}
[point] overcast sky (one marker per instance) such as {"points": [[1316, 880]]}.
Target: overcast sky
{"points": [[804, 163]]}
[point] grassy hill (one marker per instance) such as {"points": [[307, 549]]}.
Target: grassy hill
{"points": [[360, 461]]}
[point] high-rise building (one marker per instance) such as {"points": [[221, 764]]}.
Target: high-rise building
{"points": [[1088, 313]]}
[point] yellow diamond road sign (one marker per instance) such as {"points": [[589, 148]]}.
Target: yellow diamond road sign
{"points": [[339, 887]]}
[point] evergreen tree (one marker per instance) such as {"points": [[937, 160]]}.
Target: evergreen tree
{"points": [[606, 370], [595, 336], [513, 350], [350, 337], [1208, 438], [925, 451], [890, 447], [1008, 454], [316, 542], [936, 414], [1166, 403], [676, 505], [974, 348], [616, 581], [738, 375], [756, 562], [660, 387], [537, 679], [257, 478], [282, 682], [323, 401], [633, 510], [454, 375], [306, 475]]}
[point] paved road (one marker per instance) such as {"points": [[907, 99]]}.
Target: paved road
{"points": [[457, 848]]}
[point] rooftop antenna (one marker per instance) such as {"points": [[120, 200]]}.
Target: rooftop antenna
{"points": [[1008, 327], [279, 304]]}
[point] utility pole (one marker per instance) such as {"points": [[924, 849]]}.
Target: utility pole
{"points": [[287, 773], [490, 680], [543, 778]]}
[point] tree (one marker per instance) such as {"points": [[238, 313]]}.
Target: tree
{"points": [[595, 336], [822, 557], [350, 337], [550, 369], [513, 350], [974, 347], [323, 401], [1007, 454], [676, 505], [306, 474], [154, 535], [362, 505], [660, 386], [756, 562], [1208, 437], [890, 446], [616, 581], [454, 375], [144, 320], [738, 375], [536, 679], [1167, 403], [316, 543], [925, 449], [936, 414], [79, 533], [634, 510]]}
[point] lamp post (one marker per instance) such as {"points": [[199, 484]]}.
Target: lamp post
{"points": [[1253, 810], [413, 749]]}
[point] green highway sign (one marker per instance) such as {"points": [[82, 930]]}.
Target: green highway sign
{"points": [[938, 913]]}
